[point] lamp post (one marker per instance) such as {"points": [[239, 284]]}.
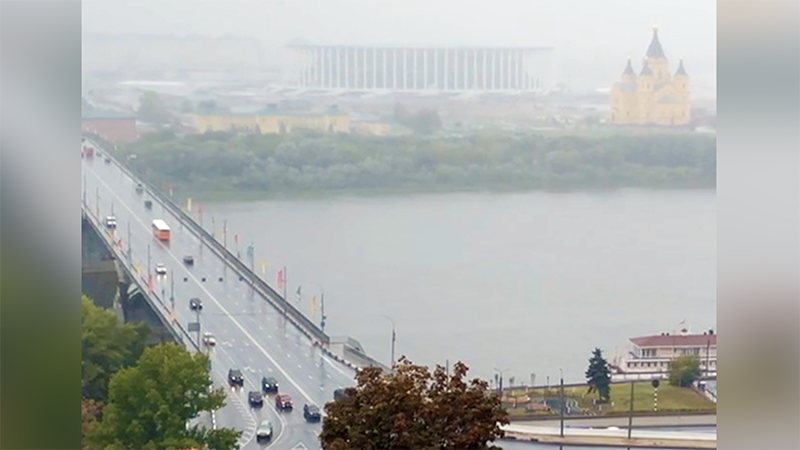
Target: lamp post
{"points": [[562, 402], [394, 337], [500, 380]]}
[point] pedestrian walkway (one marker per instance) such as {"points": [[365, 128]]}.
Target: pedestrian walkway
{"points": [[612, 437]]}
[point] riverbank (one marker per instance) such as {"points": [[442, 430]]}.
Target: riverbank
{"points": [[224, 196], [699, 420], [542, 402], [300, 165]]}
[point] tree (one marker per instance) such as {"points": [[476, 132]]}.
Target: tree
{"points": [[598, 376], [412, 408], [684, 370], [150, 403], [151, 109], [107, 345], [90, 411]]}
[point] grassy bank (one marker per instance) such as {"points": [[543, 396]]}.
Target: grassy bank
{"points": [[670, 398]]}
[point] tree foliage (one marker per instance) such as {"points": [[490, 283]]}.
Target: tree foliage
{"points": [[684, 370], [413, 408], [107, 345], [299, 162], [90, 413], [598, 376], [151, 109], [150, 403], [423, 122]]}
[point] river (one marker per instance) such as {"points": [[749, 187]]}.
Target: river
{"points": [[529, 282]]}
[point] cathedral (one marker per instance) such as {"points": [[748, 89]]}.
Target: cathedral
{"points": [[654, 97]]}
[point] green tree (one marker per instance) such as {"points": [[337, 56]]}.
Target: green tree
{"points": [[150, 403], [412, 408], [684, 370], [107, 345], [151, 109], [598, 376]]}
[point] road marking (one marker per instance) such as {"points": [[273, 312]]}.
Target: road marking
{"points": [[310, 378], [212, 297], [300, 446]]}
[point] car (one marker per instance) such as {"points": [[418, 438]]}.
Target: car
{"points": [[161, 269], [111, 222], [264, 430], [195, 304], [139, 188], [256, 398], [209, 339], [337, 394], [269, 384], [107, 160], [188, 260], [148, 204], [311, 413], [283, 402], [235, 377]]}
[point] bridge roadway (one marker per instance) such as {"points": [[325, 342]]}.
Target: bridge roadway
{"points": [[252, 335]]}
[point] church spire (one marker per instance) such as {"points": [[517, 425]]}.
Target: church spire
{"points": [[645, 69], [681, 70], [629, 68], [654, 51]]}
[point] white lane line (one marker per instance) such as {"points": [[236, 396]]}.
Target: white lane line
{"points": [[214, 299], [310, 378], [250, 414]]}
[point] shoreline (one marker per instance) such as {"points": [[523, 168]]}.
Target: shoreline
{"points": [[228, 196]]}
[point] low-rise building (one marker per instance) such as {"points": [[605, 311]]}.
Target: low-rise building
{"points": [[273, 121], [649, 356], [113, 126]]}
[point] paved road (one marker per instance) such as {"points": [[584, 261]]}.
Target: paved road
{"points": [[251, 334]]}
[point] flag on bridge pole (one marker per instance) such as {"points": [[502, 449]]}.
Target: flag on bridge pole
{"points": [[298, 294], [280, 279]]}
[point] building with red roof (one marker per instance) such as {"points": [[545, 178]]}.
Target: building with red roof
{"points": [[650, 355]]}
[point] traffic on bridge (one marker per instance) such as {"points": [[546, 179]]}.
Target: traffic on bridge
{"points": [[239, 328]]}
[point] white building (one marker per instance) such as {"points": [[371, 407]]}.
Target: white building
{"points": [[441, 69], [649, 356]]}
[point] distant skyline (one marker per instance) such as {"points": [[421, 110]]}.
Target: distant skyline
{"points": [[592, 40]]}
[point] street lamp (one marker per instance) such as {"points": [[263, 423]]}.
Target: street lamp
{"points": [[562, 401], [500, 379], [394, 336]]}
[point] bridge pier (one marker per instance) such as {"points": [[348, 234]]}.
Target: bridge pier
{"points": [[110, 288]]}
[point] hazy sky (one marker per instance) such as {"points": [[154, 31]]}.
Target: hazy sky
{"points": [[589, 31]]}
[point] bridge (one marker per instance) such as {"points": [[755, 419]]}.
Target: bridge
{"points": [[256, 329]]}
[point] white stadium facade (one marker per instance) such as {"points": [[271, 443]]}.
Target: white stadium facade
{"points": [[423, 69]]}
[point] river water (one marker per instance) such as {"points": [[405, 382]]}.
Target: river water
{"points": [[529, 282]]}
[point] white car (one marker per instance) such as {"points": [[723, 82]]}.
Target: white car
{"points": [[161, 269], [111, 222], [264, 430], [209, 339]]}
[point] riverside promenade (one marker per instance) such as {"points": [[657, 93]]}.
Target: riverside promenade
{"points": [[611, 437]]}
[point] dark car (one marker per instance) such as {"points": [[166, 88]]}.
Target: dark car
{"points": [[235, 377], [337, 394], [107, 160], [195, 304], [255, 398], [283, 402], [311, 413], [188, 260], [148, 204], [269, 384]]}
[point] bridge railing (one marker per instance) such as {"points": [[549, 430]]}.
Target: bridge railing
{"points": [[175, 327], [302, 322]]}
